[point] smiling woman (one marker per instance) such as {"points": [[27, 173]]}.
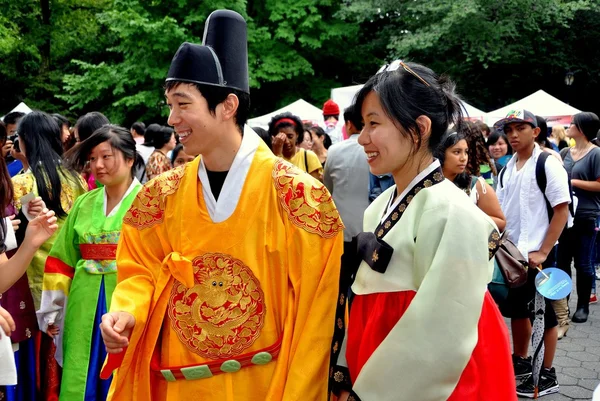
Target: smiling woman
{"points": [[422, 286], [81, 267]]}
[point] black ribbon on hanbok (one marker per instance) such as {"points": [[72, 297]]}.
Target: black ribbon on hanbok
{"points": [[374, 251]]}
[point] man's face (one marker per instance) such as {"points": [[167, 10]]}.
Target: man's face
{"points": [[197, 128], [520, 135], [11, 129]]}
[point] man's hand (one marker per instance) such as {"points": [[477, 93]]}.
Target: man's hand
{"points": [[7, 147], [277, 144], [537, 258], [116, 327]]}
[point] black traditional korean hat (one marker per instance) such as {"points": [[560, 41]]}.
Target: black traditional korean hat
{"points": [[222, 59]]}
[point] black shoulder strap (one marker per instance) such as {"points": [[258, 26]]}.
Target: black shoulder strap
{"points": [[542, 180], [305, 160], [540, 171], [501, 177]]}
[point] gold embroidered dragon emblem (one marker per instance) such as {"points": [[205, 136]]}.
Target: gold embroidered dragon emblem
{"points": [[222, 314]]}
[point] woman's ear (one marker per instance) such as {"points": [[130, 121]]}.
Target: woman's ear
{"points": [[424, 124]]}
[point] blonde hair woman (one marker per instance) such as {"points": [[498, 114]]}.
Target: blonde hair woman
{"points": [[559, 137]]}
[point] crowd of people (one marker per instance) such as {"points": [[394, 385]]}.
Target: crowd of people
{"points": [[352, 258]]}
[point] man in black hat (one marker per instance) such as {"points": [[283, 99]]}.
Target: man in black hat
{"points": [[229, 265]]}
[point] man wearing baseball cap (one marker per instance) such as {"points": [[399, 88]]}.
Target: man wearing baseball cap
{"points": [[535, 229], [228, 266]]}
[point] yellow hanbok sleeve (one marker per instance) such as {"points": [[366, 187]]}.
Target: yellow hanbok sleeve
{"points": [[315, 249]]}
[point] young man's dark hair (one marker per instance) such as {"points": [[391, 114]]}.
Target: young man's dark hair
{"points": [[542, 137], [139, 128], [355, 118], [264, 135], [215, 95], [13, 117]]}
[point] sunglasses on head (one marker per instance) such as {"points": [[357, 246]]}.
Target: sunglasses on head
{"points": [[394, 65]]}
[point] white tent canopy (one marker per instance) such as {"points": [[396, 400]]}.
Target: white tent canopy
{"points": [[539, 103], [22, 107], [472, 111], [300, 108], [344, 97]]}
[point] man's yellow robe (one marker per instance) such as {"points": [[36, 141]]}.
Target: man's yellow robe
{"points": [[264, 279]]}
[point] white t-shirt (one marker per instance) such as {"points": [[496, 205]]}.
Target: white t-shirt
{"points": [[523, 203]]}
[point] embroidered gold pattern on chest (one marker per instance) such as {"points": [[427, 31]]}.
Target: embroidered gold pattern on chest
{"points": [[223, 313]]}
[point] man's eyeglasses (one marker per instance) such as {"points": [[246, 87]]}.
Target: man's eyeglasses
{"points": [[394, 65]]}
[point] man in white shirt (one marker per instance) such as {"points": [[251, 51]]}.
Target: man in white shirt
{"points": [[137, 131], [529, 226]]}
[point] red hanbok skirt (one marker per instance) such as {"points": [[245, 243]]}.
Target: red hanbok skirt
{"points": [[489, 373]]}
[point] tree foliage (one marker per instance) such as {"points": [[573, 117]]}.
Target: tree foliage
{"points": [[75, 56]]}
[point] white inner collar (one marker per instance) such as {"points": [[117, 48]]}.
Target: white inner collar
{"points": [[114, 210], [221, 209]]}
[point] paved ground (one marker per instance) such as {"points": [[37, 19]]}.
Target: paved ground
{"points": [[577, 361]]}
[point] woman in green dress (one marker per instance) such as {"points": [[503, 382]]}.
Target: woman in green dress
{"points": [[80, 274]]}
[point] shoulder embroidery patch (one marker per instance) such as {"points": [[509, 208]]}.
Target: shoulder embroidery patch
{"points": [[308, 205], [148, 208]]}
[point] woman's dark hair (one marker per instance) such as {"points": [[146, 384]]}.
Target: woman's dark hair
{"points": [[588, 123], [404, 98], [448, 140], [6, 193], [483, 127], [175, 152], [162, 137], [118, 138], [495, 136], [216, 95], [3, 133], [279, 121], [61, 120], [320, 132], [41, 136], [6, 187], [542, 137], [478, 152], [88, 123], [153, 131], [264, 135]]}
